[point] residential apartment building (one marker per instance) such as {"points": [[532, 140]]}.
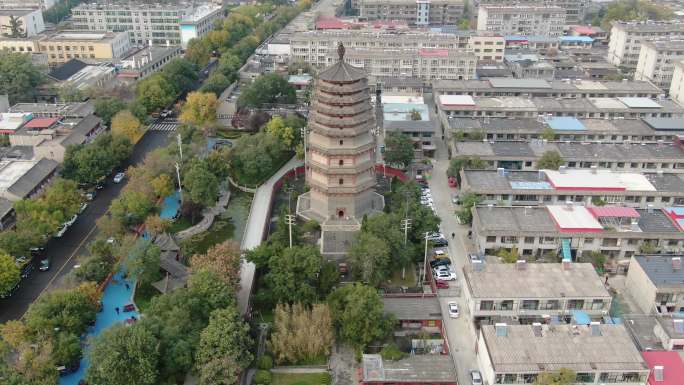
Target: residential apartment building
{"points": [[412, 12], [534, 188], [624, 46], [575, 231], [656, 283], [32, 4], [145, 61], [677, 84], [148, 23], [574, 9], [58, 110], [411, 116], [521, 20], [533, 292], [548, 88], [641, 157], [319, 48], [31, 21], [532, 107], [62, 46], [596, 353], [657, 60]]}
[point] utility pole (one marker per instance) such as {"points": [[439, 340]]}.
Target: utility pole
{"points": [[180, 185], [405, 225], [290, 220], [180, 147], [304, 133], [427, 233]]}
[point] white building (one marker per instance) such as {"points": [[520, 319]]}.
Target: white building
{"points": [[656, 283], [521, 20], [31, 21], [33, 4], [657, 60], [677, 84], [598, 353], [145, 22], [626, 38], [574, 9], [413, 12]]}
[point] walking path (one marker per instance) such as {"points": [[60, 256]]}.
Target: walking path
{"points": [[255, 230], [209, 215]]}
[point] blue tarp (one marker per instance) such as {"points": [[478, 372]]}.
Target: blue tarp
{"points": [[580, 318], [576, 39], [565, 123]]}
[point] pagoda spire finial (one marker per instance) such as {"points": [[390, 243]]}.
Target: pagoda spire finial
{"points": [[340, 51]]}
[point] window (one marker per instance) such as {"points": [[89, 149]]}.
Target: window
{"points": [[530, 304], [552, 304], [341, 181], [597, 304], [529, 239], [575, 304], [341, 162], [486, 305], [588, 241], [585, 377], [491, 238], [341, 142]]}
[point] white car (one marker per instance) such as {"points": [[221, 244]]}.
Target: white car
{"points": [[82, 208], [119, 177], [453, 309], [61, 231], [71, 221], [475, 377], [439, 253], [445, 275]]}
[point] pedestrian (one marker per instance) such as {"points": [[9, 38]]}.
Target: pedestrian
{"points": [[127, 286], [117, 310], [453, 235]]}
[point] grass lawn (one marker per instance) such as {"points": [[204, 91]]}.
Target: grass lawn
{"points": [[143, 296], [301, 379], [409, 281], [180, 224], [221, 230]]}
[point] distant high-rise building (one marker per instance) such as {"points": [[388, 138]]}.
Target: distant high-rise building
{"points": [[521, 20]]}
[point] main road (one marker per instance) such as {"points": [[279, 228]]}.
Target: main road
{"points": [[65, 250]]}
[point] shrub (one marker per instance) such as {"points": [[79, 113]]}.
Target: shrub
{"points": [[265, 362], [392, 353], [263, 377]]}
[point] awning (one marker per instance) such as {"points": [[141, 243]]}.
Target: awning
{"points": [[580, 318], [613, 212]]}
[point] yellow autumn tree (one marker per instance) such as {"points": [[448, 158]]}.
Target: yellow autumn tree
{"points": [[199, 109], [301, 334], [125, 124], [162, 185]]}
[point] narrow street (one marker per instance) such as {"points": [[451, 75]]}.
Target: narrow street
{"points": [[64, 251], [460, 332]]}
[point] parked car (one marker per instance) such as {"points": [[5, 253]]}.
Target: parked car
{"points": [[62, 229], [99, 185], [71, 221], [440, 262], [35, 251], [455, 199], [44, 264], [442, 284], [444, 273], [83, 207], [475, 377], [90, 195], [119, 177], [440, 253], [473, 257], [440, 242], [453, 309]]}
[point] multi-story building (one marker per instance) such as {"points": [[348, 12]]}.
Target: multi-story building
{"points": [[655, 283], [596, 353], [532, 188], [31, 21], [521, 20], [146, 61], [626, 38], [411, 116], [532, 107], [23, 4], [567, 129], [574, 9], [542, 88], [657, 59], [413, 12], [533, 292], [575, 231], [318, 47], [62, 46], [530, 66], [60, 110], [148, 23], [677, 84], [641, 157]]}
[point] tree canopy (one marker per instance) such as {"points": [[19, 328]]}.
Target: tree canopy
{"points": [[370, 258], [126, 125], [267, 89], [9, 272], [550, 160], [199, 109], [254, 158], [627, 10], [399, 149], [19, 78]]}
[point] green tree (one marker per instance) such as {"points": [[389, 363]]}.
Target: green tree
{"points": [[87, 163], [19, 78], [357, 314], [267, 89], [465, 163], [67, 349], [615, 77], [628, 10], [399, 149], [143, 262], [508, 256], [155, 92], [162, 185], [293, 274], [199, 109], [201, 185], [121, 353], [649, 248], [216, 83], [107, 107], [9, 272], [198, 52], [415, 115], [286, 134], [562, 377], [598, 259], [463, 24], [131, 207], [15, 26], [550, 160], [226, 336], [467, 202], [548, 133], [254, 158], [19, 240], [182, 73], [63, 311], [219, 371], [370, 259], [222, 259]]}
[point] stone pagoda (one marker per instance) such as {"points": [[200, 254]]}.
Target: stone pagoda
{"points": [[340, 157]]}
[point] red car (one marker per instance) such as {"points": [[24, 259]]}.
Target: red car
{"points": [[442, 284]]}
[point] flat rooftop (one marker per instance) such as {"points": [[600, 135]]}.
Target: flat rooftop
{"points": [[551, 104], [598, 180], [413, 308], [520, 350], [572, 218], [416, 368], [536, 280], [660, 270], [540, 85], [402, 111], [12, 170]]}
